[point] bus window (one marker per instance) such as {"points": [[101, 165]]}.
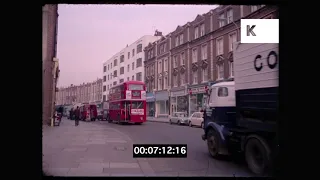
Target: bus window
{"points": [[136, 105], [135, 87]]}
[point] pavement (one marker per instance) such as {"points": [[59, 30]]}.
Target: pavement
{"points": [[89, 149], [158, 119], [105, 149]]}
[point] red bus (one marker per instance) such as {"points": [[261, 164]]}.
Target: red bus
{"points": [[127, 103]]}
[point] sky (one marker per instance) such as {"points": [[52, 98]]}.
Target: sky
{"points": [[88, 35]]}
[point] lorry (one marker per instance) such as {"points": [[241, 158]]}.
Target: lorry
{"points": [[241, 114]]}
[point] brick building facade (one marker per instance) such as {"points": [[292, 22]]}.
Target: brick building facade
{"points": [[198, 54], [50, 70]]}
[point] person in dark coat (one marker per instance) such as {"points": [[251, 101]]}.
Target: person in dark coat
{"points": [[71, 113], [60, 110], [77, 116]]}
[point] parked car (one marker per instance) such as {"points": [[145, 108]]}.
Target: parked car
{"points": [[180, 118], [196, 119], [100, 114]]}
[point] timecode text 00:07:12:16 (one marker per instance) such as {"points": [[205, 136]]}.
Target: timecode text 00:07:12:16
{"points": [[160, 150]]}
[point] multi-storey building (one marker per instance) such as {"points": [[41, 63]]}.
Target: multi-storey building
{"points": [[84, 93], [200, 54], [157, 68], [150, 76], [126, 65], [50, 69]]}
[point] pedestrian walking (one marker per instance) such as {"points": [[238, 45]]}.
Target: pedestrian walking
{"points": [[77, 116], [71, 113], [60, 111]]}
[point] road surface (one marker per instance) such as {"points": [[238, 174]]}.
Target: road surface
{"points": [[105, 149], [198, 162]]}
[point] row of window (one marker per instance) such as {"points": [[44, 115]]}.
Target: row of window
{"points": [[163, 83], [115, 62], [204, 73], [223, 19], [115, 72], [179, 38], [150, 70], [162, 49], [81, 90], [204, 54], [204, 50], [82, 97], [165, 65], [222, 22]]}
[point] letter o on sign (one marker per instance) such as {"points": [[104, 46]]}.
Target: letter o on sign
{"points": [[258, 68], [274, 64]]}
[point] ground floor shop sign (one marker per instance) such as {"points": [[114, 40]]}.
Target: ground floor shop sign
{"points": [[197, 98], [150, 97]]}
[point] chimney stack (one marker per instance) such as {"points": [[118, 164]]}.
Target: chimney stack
{"points": [[157, 33]]}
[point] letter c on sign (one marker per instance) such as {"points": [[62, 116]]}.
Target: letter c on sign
{"points": [[255, 63], [272, 53]]}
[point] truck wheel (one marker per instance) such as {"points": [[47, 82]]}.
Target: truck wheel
{"points": [[213, 143], [257, 154]]}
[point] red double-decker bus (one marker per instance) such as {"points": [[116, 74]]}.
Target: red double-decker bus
{"points": [[127, 103]]}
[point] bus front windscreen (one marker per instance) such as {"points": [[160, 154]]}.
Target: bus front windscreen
{"points": [[135, 87], [137, 105]]}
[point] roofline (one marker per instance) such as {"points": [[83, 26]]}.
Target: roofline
{"points": [[126, 47]]}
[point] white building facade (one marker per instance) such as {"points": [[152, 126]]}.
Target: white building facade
{"points": [[127, 64]]}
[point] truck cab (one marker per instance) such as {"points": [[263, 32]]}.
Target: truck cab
{"points": [[219, 117]]}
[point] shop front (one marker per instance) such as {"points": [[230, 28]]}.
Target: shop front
{"points": [[150, 104], [162, 103], [179, 100], [197, 97]]}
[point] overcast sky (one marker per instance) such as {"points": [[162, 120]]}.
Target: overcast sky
{"points": [[88, 35]]}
